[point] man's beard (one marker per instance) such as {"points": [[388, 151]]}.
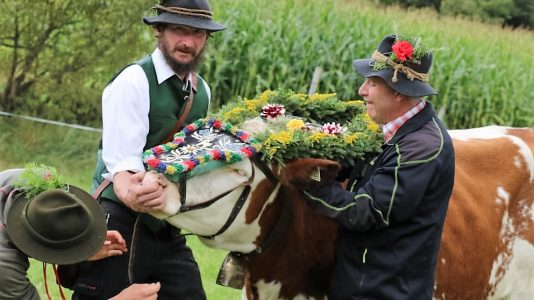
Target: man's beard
{"points": [[180, 68]]}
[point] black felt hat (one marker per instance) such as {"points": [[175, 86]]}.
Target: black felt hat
{"points": [[192, 13], [406, 76], [59, 226]]}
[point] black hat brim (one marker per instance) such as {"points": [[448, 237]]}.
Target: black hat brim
{"points": [[404, 86], [95, 236], [191, 21]]}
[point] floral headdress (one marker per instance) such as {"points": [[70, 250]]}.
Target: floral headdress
{"points": [[36, 179], [290, 125], [279, 126], [407, 52]]}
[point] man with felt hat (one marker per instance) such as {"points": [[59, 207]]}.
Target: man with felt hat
{"points": [[392, 216], [54, 223], [143, 106]]}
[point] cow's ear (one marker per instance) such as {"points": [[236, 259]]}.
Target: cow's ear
{"points": [[305, 173]]}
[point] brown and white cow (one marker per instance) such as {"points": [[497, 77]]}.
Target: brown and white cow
{"points": [[487, 249]]}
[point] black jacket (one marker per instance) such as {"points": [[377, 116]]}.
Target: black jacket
{"points": [[391, 220]]}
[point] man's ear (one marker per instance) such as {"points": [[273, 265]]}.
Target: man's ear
{"points": [[157, 31], [400, 97]]}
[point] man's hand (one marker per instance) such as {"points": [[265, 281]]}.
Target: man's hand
{"points": [[139, 291], [114, 245], [138, 194], [307, 173]]}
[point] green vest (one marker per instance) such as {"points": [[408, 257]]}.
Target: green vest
{"points": [[167, 100]]}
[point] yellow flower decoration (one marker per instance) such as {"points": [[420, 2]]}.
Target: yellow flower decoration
{"points": [[351, 138], [254, 104], [295, 124], [318, 136], [356, 102], [321, 97], [234, 113], [272, 151], [264, 97], [282, 137], [171, 170], [373, 127]]}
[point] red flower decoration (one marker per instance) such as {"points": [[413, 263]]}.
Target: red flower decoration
{"points": [[153, 163], [332, 128], [216, 154], [403, 50], [247, 151], [271, 111], [190, 165]]}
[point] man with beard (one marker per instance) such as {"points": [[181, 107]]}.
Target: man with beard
{"points": [[143, 106]]}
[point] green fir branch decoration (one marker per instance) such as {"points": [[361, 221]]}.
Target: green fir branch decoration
{"points": [[299, 133], [36, 179]]}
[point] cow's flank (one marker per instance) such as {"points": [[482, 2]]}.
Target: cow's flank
{"points": [[487, 247]]}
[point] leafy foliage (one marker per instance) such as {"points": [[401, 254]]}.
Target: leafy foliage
{"points": [[58, 57], [37, 178], [515, 13]]}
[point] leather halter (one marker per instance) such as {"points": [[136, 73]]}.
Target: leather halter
{"points": [[278, 229], [237, 206]]}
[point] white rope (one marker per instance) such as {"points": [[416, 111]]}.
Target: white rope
{"points": [[8, 114]]}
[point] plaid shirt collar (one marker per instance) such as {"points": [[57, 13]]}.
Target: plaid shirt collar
{"points": [[391, 127]]}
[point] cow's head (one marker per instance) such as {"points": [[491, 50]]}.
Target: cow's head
{"points": [[234, 197], [214, 200]]}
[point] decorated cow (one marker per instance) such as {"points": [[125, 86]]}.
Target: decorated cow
{"points": [[236, 194]]}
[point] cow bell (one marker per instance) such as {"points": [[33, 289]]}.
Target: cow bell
{"points": [[232, 271]]}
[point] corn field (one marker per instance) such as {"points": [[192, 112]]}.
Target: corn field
{"points": [[484, 74]]}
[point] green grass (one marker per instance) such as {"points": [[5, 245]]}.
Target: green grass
{"points": [[72, 152]]}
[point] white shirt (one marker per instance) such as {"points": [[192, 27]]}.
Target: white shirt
{"points": [[125, 108]]}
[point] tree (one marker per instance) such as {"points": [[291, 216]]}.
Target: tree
{"points": [[50, 48], [522, 14]]}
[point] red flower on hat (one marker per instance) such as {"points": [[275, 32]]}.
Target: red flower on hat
{"points": [[402, 50]]}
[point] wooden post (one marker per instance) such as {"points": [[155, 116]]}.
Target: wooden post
{"points": [[315, 80]]}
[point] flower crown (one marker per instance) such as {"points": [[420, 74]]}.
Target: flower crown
{"points": [[405, 51], [173, 167], [290, 126], [36, 179], [278, 125]]}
